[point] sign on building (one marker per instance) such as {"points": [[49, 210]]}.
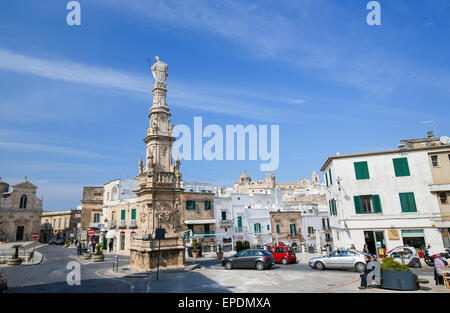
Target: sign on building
{"points": [[393, 234]]}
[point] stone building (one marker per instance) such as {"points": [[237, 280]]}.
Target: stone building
{"points": [[286, 227], [59, 225], [247, 186], [91, 208], [439, 162], [198, 213], [159, 194], [20, 211]]}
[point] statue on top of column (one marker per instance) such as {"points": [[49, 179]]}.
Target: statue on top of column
{"points": [[160, 72]]}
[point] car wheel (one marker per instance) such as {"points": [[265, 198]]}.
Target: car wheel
{"points": [[228, 266], [319, 266], [284, 261], [259, 266], [416, 264], [360, 267]]}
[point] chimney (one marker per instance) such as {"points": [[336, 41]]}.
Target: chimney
{"points": [[430, 134]]}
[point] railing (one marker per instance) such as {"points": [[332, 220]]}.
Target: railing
{"points": [[132, 223], [225, 223], [7, 253], [122, 223]]}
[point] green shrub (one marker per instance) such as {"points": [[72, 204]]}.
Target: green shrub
{"points": [[246, 244], [239, 246], [195, 246], [389, 264]]}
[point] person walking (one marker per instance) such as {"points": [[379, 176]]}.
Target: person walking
{"points": [[364, 274], [79, 248], [375, 272], [93, 246], [111, 245]]}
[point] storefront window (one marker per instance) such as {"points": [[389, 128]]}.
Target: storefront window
{"points": [[413, 238]]}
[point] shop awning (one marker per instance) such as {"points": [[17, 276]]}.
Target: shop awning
{"points": [[110, 234]]}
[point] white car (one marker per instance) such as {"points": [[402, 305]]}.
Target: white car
{"points": [[409, 255], [340, 259]]}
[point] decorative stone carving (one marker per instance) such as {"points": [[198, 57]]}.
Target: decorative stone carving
{"points": [[160, 72], [141, 166]]}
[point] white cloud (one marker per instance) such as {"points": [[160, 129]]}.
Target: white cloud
{"points": [[52, 149]]}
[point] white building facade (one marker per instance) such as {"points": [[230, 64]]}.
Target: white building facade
{"points": [[382, 199]]}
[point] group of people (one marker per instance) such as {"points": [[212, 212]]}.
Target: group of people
{"points": [[371, 277]]}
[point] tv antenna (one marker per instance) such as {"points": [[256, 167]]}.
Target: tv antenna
{"points": [[430, 124]]}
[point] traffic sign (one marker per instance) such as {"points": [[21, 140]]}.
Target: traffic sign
{"points": [[35, 236], [91, 232]]}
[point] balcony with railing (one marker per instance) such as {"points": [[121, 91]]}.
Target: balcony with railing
{"points": [[132, 223], [122, 223], [112, 224], [225, 223]]}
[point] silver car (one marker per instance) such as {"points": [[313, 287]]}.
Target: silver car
{"points": [[340, 259], [406, 255]]}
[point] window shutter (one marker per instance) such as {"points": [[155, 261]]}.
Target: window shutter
{"points": [[412, 202], [326, 178], [187, 205], [239, 221], [224, 215], [122, 216], [207, 205], [278, 228], [133, 214], [357, 201], [361, 170], [334, 207], [408, 202], [401, 167], [331, 207], [331, 179], [376, 203]]}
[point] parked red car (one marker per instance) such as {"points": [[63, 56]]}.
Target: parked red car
{"points": [[283, 254]]}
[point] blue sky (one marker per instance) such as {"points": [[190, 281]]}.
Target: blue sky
{"points": [[74, 100]]}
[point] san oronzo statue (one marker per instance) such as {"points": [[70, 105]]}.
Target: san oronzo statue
{"points": [[160, 71]]}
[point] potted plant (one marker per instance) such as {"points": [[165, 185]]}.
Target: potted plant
{"points": [[195, 250], [14, 259], [239, 246], [98, 256], [219, 252], [246, 244], [397, 276]]}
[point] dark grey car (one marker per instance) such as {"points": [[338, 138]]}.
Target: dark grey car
{"points": [[251, 258]]}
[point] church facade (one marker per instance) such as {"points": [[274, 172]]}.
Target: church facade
{"points": [[20, 211]]}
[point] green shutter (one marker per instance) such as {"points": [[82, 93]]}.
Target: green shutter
{"points": [[361, 170], [190, 205], [207, 205], [331, 207], [376, 203], [326, 178], [333, 202], [239, 219], [224, 215], [122, 215], [408, 202], [357, 201], [293, 230], [268, 227], [278, 228], [331, 179], [206, 227], [401, 167], [133, 214]]}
